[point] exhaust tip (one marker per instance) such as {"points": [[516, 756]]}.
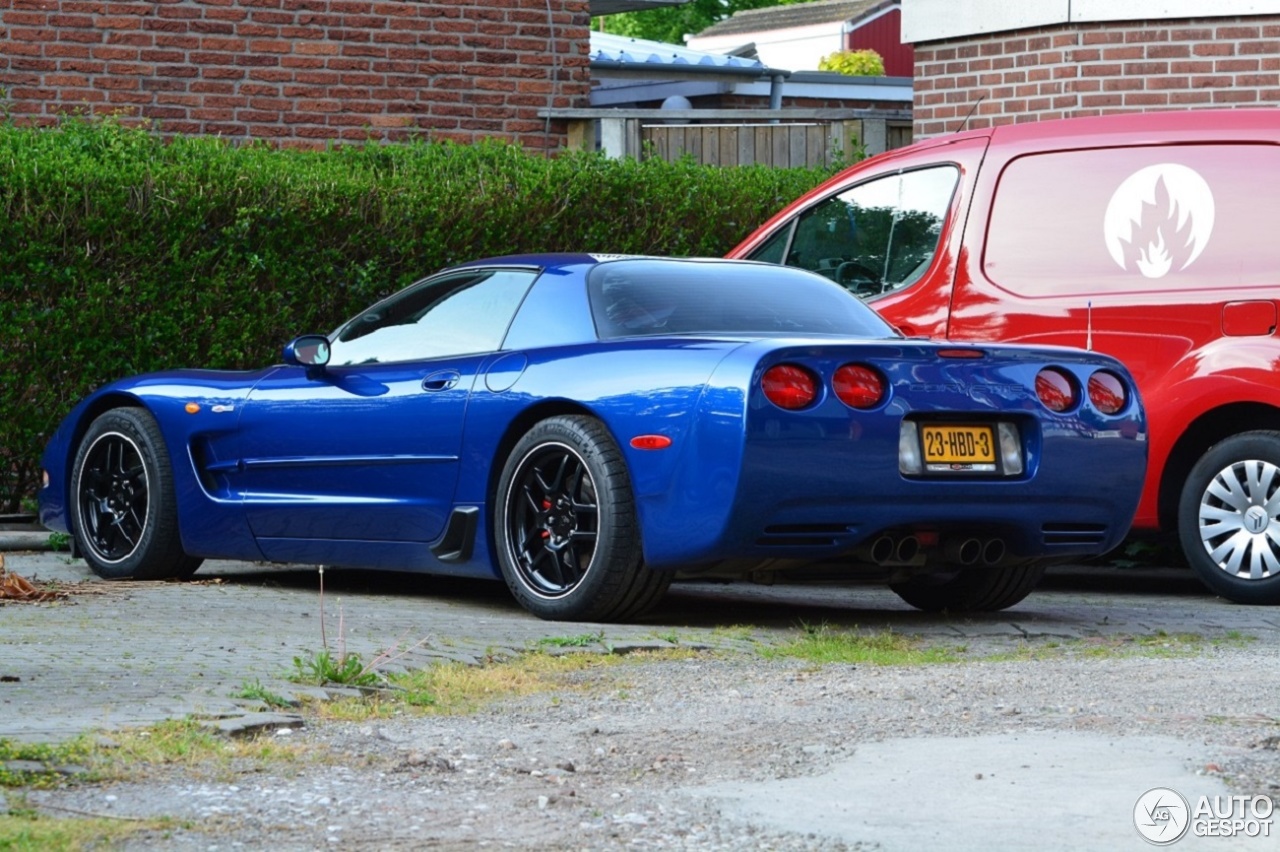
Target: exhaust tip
{"points": [[993, 551]]}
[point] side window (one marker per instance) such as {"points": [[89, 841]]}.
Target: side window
{"points": [[877, 236], [458, 314]]}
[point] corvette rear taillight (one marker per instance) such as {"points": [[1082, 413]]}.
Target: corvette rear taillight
{"points": [[1107, 392], [1056, 389], [858, 386], [788, 386]]}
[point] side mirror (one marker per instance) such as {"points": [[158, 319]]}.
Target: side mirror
{"points": [[310, 351]]}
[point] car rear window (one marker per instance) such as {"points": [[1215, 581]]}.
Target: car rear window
{"points": [[642, 297]]}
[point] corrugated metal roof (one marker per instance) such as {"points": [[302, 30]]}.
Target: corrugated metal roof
{"points": [[795, 15], [621, 51]]}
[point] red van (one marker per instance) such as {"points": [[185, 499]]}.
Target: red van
{"points": [[1152, 237]]}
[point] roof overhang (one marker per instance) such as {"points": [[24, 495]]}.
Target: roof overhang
{"points": [[613, 7]]}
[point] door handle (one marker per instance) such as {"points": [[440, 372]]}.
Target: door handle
{"points": [[440, 381]]}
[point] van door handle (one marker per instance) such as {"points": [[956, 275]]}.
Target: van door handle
{"points": [[441, 381]]}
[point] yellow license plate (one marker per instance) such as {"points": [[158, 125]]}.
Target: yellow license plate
{"points": [[959, 444]]}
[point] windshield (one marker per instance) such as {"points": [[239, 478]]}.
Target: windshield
{"points": [[649, 296]]}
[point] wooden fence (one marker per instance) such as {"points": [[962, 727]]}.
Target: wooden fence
{"points": [[783, 138]]}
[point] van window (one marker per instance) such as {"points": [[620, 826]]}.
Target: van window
{"points": [[875, 237], [1156, 218]]}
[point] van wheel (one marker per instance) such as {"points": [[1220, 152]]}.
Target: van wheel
{"points": [[971, 589], [1229, 518], [567, 538]]}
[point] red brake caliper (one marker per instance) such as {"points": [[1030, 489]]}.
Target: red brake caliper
{"points": [[546, 504]]}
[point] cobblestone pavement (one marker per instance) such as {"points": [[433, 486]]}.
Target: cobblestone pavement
{"points": [[115, 654]]}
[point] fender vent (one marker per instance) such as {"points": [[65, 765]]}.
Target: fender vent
{"points": [[1074, 533]]}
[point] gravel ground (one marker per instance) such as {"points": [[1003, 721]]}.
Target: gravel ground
{"points": [[646, 754]]}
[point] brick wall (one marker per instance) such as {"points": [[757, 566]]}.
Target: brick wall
{"points": [[1091, 69], [301, 72]]}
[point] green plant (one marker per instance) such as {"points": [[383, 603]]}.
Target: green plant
{"points": [[822, 645], [582, 640], [323, 667], [59, 541], [853, 63], [257, 692]]}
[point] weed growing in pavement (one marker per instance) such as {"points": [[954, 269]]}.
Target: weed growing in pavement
{"points": [[821, 644], [59, 541], [1119, 646], [19, 762], [343, 668], [257, 692], [582, 640]]}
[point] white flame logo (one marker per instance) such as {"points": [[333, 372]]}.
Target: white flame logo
{"points": [[1159, 217]]}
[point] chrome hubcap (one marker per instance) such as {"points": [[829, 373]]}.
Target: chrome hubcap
{"points": [[1239, 523]]}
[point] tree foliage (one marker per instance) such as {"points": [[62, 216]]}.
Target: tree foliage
{"points": [[853, 63], [672, 23]]}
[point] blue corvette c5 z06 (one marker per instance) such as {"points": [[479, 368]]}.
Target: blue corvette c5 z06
{"points": [[589, 427]]}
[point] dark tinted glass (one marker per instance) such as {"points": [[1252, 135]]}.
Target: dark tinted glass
{"points": [[647, 297], [454, 314]]}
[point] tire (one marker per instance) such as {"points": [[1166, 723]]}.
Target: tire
{"points": [[565, 527], [123, 507], [971, 589], [1229, 518]]}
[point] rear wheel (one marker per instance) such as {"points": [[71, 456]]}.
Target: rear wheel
{"points": [[125, 516], [567, 538], [1229, 518], [971, 589]]}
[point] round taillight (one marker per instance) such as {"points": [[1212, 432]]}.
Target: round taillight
{"points": [[788, 386], [1107, 392], [1056, 389], [858, 386]]}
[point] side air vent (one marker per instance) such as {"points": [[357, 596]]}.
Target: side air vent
{"points": [[1074, 533], [805, 535]]}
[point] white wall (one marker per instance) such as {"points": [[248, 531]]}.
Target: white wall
{"points": [[795, 49], [931, 20]]}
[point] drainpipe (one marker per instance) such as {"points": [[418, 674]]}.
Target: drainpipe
{"points": [[776, 79]]}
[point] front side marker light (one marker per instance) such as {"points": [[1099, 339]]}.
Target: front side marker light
{"points": [[650, 442], [1010, 448], [909, 461]]}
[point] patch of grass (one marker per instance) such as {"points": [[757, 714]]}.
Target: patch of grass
{"points": [[49, 755], [29, 831], [582, 640], [189, 744], [59, 541], [1157, 644], [257, 692], [822, 645], [454, 688]]}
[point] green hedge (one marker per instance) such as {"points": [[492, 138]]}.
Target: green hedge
{"points": [[121, 253]]}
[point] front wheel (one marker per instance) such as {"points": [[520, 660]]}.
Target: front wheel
{"points": [[125, 515], [1229, 518], [565, 527], [971, 589]]}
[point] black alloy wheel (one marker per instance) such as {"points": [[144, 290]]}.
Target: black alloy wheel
{"points": [[124, 514], [566, 533]]}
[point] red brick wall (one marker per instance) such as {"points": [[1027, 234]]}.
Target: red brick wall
{"points": [[1091, 69], [301, 72]]}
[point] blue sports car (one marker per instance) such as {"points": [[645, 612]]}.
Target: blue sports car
{"points": [[589, 427]]}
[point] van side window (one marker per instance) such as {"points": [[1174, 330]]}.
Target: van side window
{"points": [[875, 237]]}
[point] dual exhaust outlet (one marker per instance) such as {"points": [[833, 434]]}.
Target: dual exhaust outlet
{"points": [[965, 552]]}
